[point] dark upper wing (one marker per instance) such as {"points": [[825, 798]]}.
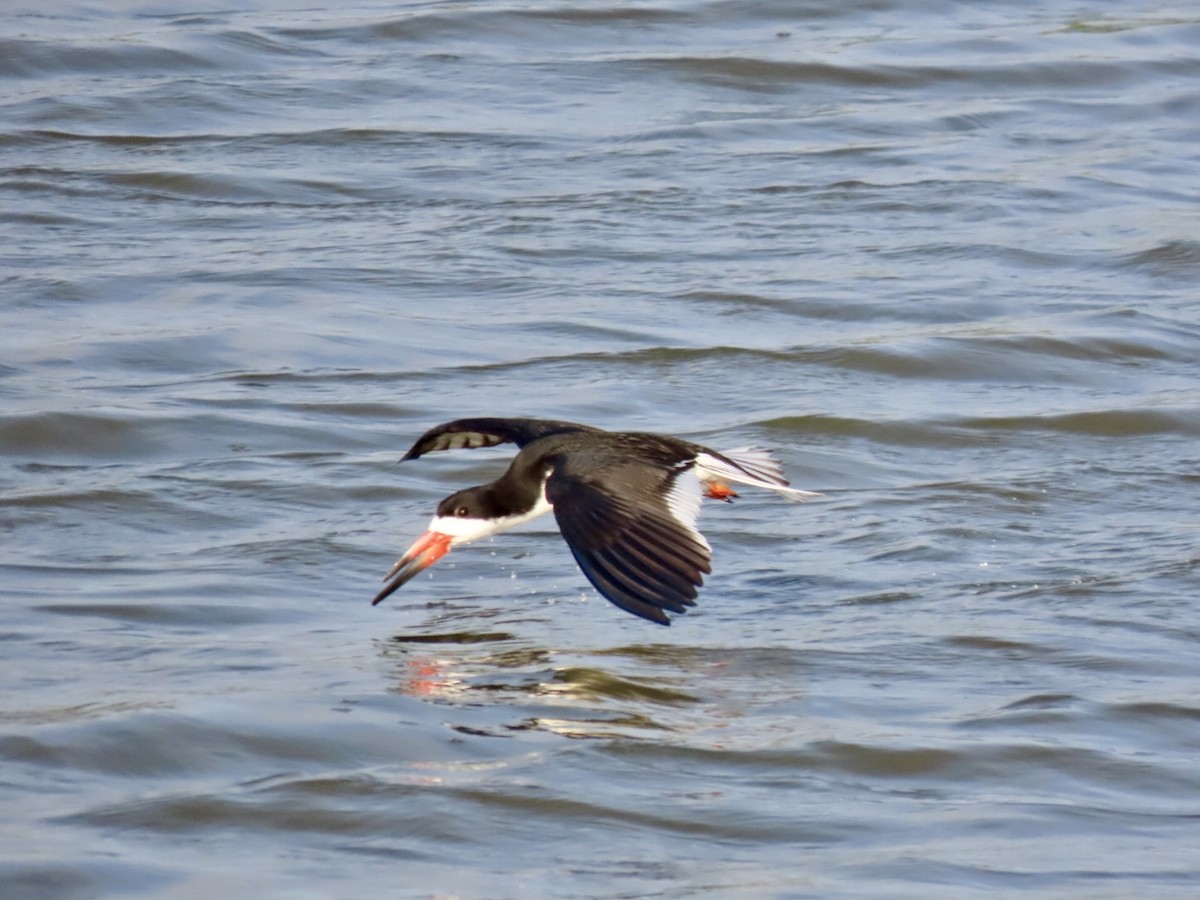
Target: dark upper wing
{"points": [[631, 528], [487, 432]]}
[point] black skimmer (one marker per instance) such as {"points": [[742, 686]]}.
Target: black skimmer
{"points": [[626, 504]]}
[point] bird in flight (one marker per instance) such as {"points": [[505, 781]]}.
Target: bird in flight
{"points": [[626, 504]]}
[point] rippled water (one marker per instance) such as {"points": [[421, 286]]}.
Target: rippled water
{"points": [[943, 257]]}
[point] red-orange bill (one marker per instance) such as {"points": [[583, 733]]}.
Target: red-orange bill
{"points": [[428, 549]]}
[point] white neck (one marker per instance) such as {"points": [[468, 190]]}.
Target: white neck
{"points": [[465, 530]]}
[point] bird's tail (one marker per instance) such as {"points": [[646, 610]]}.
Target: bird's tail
{"points": [[754, 466]]}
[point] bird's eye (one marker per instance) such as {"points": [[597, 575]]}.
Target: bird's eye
{"points": [[462, 512]]}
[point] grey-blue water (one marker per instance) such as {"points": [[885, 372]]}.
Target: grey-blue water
{"points": [[943, 257]]}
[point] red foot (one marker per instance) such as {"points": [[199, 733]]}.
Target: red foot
{"points": [[718, 491]]}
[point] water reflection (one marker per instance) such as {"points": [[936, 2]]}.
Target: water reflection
{"points": [[576, 693], [498, 684]]}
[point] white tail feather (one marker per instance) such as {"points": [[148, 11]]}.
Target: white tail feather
{"points": [[754, 466]]}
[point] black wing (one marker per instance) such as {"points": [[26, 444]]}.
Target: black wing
{"points": [[627, 537], [488, 432]]}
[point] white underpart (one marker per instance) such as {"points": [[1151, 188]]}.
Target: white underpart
{"points": [[754, 466], [683, 503], [465, 530]]}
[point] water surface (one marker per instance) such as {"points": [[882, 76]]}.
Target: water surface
{"points": [[942, 257]]}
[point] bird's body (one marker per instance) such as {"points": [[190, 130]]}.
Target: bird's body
{"points": [[626, 504]]}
